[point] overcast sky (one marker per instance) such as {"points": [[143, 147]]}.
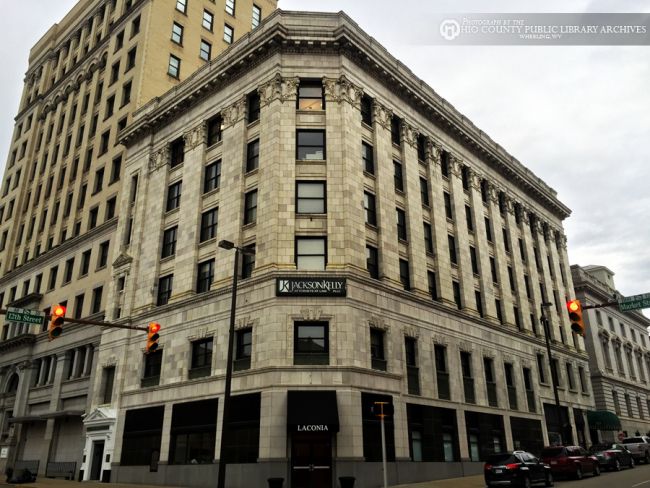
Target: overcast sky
{"points": [[579, 117]]}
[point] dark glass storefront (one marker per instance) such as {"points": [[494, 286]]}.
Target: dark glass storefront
{"points": [[484, 435], [527, 435], [141, 437], [372, 428], [243, 442], [558, 425], [193, 432], [433, 433]]}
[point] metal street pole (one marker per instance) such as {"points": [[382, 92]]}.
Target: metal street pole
{"points": [[221, 478], [547, 333], [381, 416]]}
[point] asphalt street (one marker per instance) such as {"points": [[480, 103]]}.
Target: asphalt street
{"points": [[638, 477]]}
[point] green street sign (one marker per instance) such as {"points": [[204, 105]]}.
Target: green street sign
{"points": [[635, 302], [24, 315]]}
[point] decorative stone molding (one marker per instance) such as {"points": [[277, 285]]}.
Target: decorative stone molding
{"points": [[456, 166], [603, 334], [25, 365], [245, 322], [476, 180], [122, 260], [235, 112], [195, 137], [465, 346], [311, 314], [410, 331], [111, 361], [331, 88], [201, 333], [350, 92], [440, 340], [271, 90], [377, 322], [381, 114], [159, 158], [290, 89], [409, 134], [432, 151], [488, 353]]}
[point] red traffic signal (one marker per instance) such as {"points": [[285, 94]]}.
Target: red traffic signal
{"points": [[152, 337], [57, 317], [574, 307]]}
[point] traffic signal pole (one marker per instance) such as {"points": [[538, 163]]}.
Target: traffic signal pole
{"points": [[554, 377], [91, 322]]}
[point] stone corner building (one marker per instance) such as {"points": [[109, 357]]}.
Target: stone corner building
{"points": [[400, 256], [619, 356], [59, 202]]}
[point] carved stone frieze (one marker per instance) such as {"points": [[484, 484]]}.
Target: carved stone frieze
{"points": [[311, 313], [378, 322], [350, 92], [456, 166], [432, 151], [195, 137], [440, 340], [271, 90], [409, 134], [331, 88], [235, 112], [245, 322], [381, 114], [159, 158], [465, 346], [290, 88], [475, 180]]}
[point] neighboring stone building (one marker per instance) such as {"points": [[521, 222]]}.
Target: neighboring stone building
{"points": [[619, 355], [401, 256], [60, 193]]}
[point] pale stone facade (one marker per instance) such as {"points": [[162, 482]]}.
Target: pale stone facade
{"points": [[430, 344], [619, 352], [61, 187]]}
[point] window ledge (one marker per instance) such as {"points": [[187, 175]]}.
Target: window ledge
{"points": [[369, 175], [215, 144], [207, 242], [313, 161], [320, 111], [320, 216], [252, 172], [167, 258], [172, 211], [208, 194], [250, 225], [252, 124]]}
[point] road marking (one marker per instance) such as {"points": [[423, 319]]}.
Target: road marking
{"points": [[642, 483]]}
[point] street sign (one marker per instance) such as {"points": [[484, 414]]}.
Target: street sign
{"points": [[24, 315], [635, 302]]}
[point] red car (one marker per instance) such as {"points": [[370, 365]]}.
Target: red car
{"points": [[570, 461]]}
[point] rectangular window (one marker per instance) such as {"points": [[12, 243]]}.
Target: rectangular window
{"points": [[310, 95], [453, 257], [493, 270], [433, 288], [310, 144], [250, 207], [97, 300], [214, 130], [177, 152], [243, 349], [479, 302], [230, 7], [366, 110], [102, 260], [404, 274], [177, 33], [212, 177], [469, 219], [253, 155], [130, 60], [398, 176], [311, 343], [248, 262], [395, 128], [412, 373], [370, 208], [152, 367], [488, 229], [368, 157], [510, 384], [541, 369], [201, 362], [205, 275], [444, 164], [257, 16], [174, 196], [164, 289], [208, 20], [108, 379], [181, 6], [99, 181], [401, 225], [506, 241], [428, 237], [67, 274], [442, 373], [174, 66], [311, 253], [228, 34], [457, 296], [52, 279], [169, 242], [372, 261], [569, 376], [310, 197], [448, 208], [208, 225], [468, 378], [253, 104], [377, 356], [116, 167], [85, 262], [205, 50], [490, 382], [424, 191], [473, 259]]}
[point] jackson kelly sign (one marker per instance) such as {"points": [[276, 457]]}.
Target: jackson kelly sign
{"points": [[319, 287]]}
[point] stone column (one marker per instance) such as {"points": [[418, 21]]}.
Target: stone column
{"points": [[166, 437], [507, 433], [499, 221], [185, 271], [75, 363], [41, 371], [88, 359], [273, 426], [402, 452], [462, 434], [518, 269], [529, 236], [439, 224], [349, 442], [52, 369]]}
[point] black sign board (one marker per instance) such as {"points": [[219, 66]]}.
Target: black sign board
{"points": [[310, 287]]}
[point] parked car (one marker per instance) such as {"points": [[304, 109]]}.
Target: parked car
{"points": [[516, 468], [570, 461], [612, 456], [639, 447]]}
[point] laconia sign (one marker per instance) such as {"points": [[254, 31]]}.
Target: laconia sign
{"points": [[317, 286], [312, 428]]}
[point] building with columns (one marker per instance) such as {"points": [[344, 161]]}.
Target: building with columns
{"points": [[619, 356], [60, 192], [400, 256]]}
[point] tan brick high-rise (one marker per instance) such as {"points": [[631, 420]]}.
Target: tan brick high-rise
{"points": [[60, 198]]}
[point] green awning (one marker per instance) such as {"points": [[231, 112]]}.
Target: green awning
{"points": [[603, 420]]}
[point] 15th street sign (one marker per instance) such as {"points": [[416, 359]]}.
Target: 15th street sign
{"points": [[635, 302], [24, 316]]}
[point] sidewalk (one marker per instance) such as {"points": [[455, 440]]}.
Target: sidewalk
{"points": [[465, 482]]}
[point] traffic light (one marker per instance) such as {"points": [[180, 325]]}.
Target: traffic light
{"points": [[56, 321], [575, 316], [152, 337]]}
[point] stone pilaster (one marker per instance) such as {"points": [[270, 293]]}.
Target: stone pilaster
{"points": [[520, 298]]}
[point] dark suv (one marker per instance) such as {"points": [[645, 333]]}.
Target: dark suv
{"points": [[571, 461], [517, 468]]}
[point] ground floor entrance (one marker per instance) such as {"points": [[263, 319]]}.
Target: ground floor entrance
{"points": [[311, 460]]}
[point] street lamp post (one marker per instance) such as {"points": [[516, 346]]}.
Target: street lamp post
{"points": [[554, 373], [221, 478]]}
